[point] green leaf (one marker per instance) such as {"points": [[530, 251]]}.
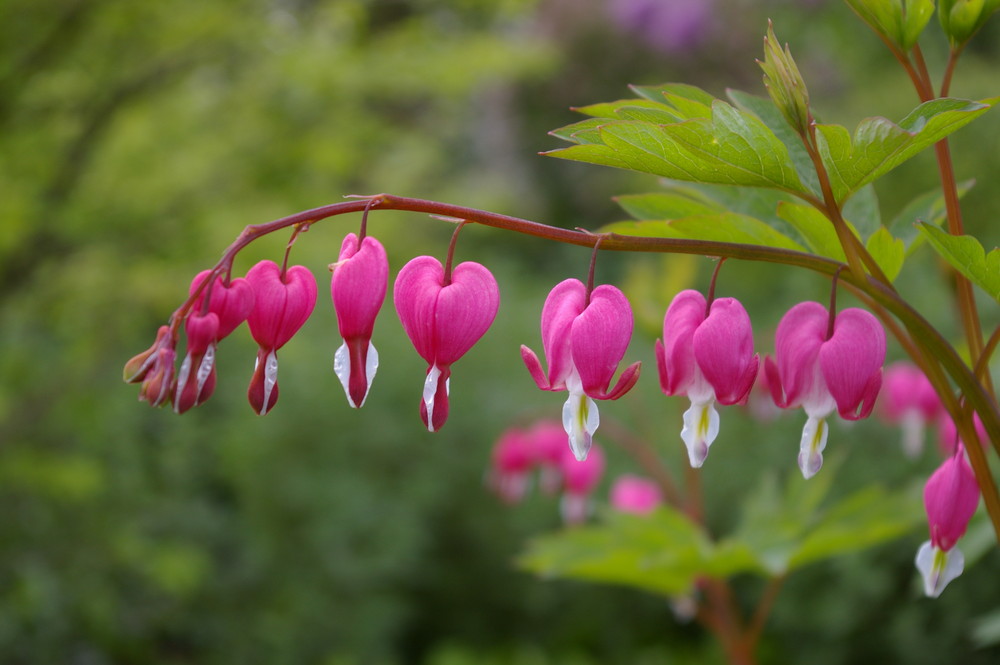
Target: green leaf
{"points": [[679, 202], [863, 213], [968, 257], [692, 101], [775, 121], [731, 147], [788, 529], [816, 230], [659, 112], [879, 145], [663, 552], [584, 132], [899, 22], [888, 252], [928, 207], [719, 227]]}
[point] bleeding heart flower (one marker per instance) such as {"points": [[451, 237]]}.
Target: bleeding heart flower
{"points": [[580, 477], [706, 354], [357, 287], [951, 497], [283, 300], [909, 400], [632, 494], [231, 302], [196, 377], [584, 339], [822, 368], [443, 318], [513, 458]]}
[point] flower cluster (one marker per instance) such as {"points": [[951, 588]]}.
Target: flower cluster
{"points": [[444, 312], [520, 452]]}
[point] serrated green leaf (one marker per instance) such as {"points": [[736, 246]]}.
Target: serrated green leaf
{"points": [[816, 230], [679, 202], [967, 256], [888, 252], [720, 227], [775, 121], [583, 132], [661, 552], [695, 101], [868, 517], [879, 145], [612, 110]]}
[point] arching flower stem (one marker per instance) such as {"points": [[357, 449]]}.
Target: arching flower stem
{"points": [[937, 356]]}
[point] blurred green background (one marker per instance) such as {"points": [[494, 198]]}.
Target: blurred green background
{"points": [[136, 141]]}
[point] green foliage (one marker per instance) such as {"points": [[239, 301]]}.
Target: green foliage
{"points": [[880, 145], [968, 257], [780, 531], [898, 21], [690, 138]]}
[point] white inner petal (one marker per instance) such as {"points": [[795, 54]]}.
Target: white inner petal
{"points": [[270, 378], [938, 567], [430, 388], [182, 376], [811, 447], [371, 366], [701, 426], [342, 368], [205, 368], [580, 420]]}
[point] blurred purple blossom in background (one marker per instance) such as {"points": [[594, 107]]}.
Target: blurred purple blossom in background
{"points": [[669, 26]]}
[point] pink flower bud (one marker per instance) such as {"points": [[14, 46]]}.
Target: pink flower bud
{"points": [[584, 341], [139, 366], [196, 377], [708, 356], [632, 494], [357, 287], [821, 373], [282, 303], [951, 497]]}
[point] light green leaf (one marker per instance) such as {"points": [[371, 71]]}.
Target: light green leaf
{"points": [[879, 145], [816, 230], [769, 114], [928, 207], [732, 147], [663, 552], [863, 213], [692, 101], [611, 110], [968, 257], [584, 132], [888, 252], [678, 202], [719, 227], [899, 22]]}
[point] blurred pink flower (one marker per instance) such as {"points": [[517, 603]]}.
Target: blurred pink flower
{"points": [[580, 477], [633, 494], [909, 400]]}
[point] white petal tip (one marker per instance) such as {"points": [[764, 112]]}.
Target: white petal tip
{"points": [[938, 567]]}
